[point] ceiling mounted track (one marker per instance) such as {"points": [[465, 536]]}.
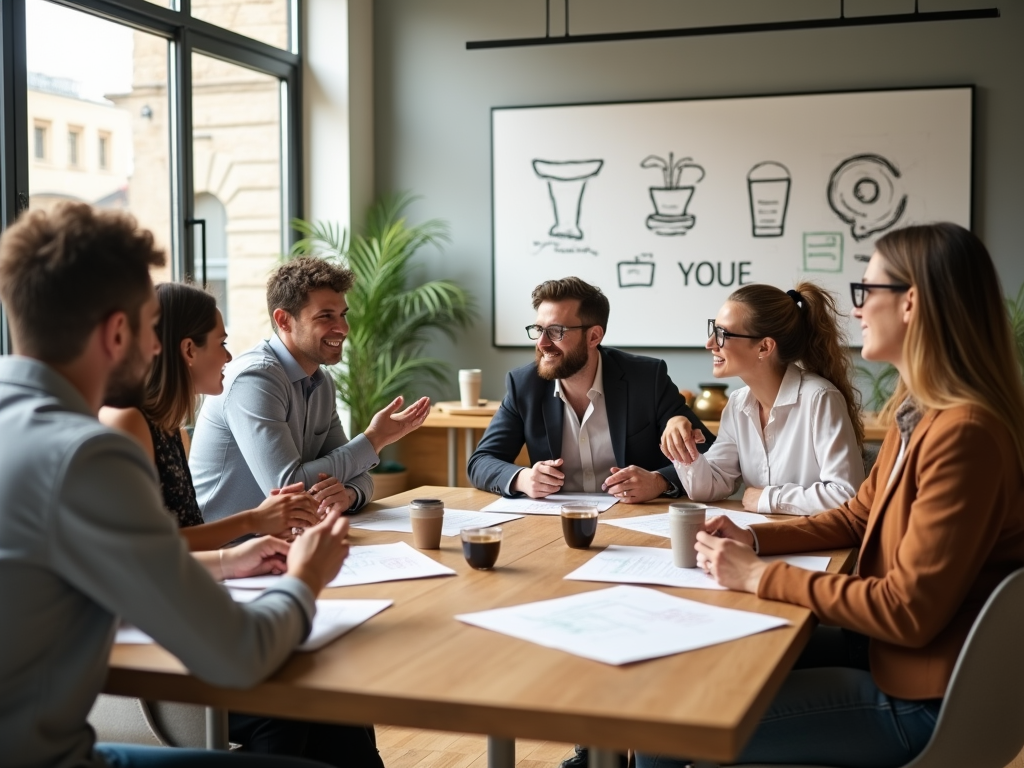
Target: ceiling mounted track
{"points": [[838, 22]]}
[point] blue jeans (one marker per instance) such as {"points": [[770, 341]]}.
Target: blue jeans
{"points": [[134, 756], [830, 712]]}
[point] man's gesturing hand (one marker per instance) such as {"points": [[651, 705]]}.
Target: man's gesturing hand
{"points": [[540, 480], [387, 426], [317, 555]]}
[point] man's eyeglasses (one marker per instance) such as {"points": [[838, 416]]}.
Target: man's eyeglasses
{"points": [[721, 334], [859, 291], [553, 332]]}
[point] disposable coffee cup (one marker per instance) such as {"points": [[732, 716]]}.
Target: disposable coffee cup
{"points": [[469, 387], [579, 524], [427, 517], [685, 521]]}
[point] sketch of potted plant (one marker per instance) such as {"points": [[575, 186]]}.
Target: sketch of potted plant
{"points": [[672, 200]]}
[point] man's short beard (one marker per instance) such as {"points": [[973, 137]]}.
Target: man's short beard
{"points": [[126, 387], [573, 361]]}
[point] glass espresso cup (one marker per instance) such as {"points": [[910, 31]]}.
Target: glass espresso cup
{"points": [[480, 546], [579, 524]]}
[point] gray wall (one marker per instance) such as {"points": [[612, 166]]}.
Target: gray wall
{"points": [[433, 100]]}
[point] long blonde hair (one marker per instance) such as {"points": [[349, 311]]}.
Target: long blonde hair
{"points": [[959, 348], [806, 327]]}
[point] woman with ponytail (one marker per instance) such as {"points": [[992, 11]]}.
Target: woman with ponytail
{"points": [[793, 435]]}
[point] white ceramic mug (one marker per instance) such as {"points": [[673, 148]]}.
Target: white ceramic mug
{"points": [[685, 521], [469, 387]]}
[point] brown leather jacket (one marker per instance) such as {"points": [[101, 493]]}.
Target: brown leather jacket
{"points": [[933, 546]]}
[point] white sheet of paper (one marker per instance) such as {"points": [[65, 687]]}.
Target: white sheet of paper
{"points": [[370, 564], [397, 519], [657, 525], [653, 565], [333, 619], [551, 505], [622, 624]]}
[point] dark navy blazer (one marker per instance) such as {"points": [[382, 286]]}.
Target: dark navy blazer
{"points": [[640, 399]]}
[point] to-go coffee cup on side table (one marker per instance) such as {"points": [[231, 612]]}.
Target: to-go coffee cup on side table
{"points": [[685, 521], [579, 524], [427, 517], [469, 387]]}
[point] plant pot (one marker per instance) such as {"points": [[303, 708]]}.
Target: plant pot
{"points": [[711, 403], [671, 203], [389, 483]]}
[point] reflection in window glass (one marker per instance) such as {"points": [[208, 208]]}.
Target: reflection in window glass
{"points": [[95, 81], [263, 20], [236, 118]]}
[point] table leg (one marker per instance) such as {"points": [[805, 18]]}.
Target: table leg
{"points": [[216, 728], [453, 458], [598, 757], [501, 753], [470, 447]]}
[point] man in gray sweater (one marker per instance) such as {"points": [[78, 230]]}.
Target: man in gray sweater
{"points": [[84, 538]]}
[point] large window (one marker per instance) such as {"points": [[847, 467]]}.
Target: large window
{"points": [[183, 112]]}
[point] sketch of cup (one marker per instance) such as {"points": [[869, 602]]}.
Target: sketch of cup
{"points": [[566, 182], [768, 187]]}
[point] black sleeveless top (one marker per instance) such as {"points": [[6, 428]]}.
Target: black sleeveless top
{"points": [[175, 477]]}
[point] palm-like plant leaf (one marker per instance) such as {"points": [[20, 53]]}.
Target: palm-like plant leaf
{"points": [[391, 317]]}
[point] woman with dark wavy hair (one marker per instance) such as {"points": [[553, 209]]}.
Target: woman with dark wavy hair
{"points": [[938, 523], [793, 435]]}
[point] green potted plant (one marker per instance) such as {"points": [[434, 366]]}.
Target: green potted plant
{"points": [[391, 313]]}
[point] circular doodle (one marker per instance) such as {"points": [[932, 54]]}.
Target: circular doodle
{"points": [[864, 191]]}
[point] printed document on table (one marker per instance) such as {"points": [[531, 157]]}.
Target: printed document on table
{"points": [[397, 519], [551, 505], [653, 565], [371, 564], [657, 525], [333, 619], [622, 624]]}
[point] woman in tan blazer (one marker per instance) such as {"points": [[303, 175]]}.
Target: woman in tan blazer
{"points": [[939, 522]]}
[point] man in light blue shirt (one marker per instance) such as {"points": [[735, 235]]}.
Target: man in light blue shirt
{"points": [[84, 537], [276, 422]]}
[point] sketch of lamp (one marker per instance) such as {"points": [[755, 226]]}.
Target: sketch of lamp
{"points": [[566, 182], [768, 189], [672, 200]]}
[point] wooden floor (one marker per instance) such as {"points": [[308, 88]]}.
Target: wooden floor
{"points": [[407, 748]]}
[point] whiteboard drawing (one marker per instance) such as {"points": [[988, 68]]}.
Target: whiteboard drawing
{"points": [[768, 189], [823, 251], [672, 200], [636, 273], [566, 181], [865, 192]]}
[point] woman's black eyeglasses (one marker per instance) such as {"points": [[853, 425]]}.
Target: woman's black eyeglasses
{"points": [[721, 334], [859, 291]]}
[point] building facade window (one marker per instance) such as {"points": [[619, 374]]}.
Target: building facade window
{"points": [[40, 141], [74, 141], [103, 151]]}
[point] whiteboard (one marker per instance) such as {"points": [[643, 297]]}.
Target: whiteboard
{"points": [[770, 189]]}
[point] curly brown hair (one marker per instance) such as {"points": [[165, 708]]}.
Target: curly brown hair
{"points": [[64, 271], [289, 287]]}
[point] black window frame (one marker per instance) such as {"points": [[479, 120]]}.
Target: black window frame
{"points": [[186, 35]]}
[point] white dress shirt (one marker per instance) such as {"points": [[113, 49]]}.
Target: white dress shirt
{"points": [[807, 458], [587, 454]]}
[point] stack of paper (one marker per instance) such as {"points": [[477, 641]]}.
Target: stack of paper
{"points": [[622, 624], [368, 565], [653, 565], [397, 519], [657, 525], [551, 505]]}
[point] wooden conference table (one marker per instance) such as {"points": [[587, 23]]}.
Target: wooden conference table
{"points": [[414, 665]]}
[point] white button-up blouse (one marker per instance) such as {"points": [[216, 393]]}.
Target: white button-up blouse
{"points": [[807, 458]]}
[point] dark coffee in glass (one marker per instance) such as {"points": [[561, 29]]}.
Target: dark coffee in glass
{"points": [[480, 547], [579, 524]]}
